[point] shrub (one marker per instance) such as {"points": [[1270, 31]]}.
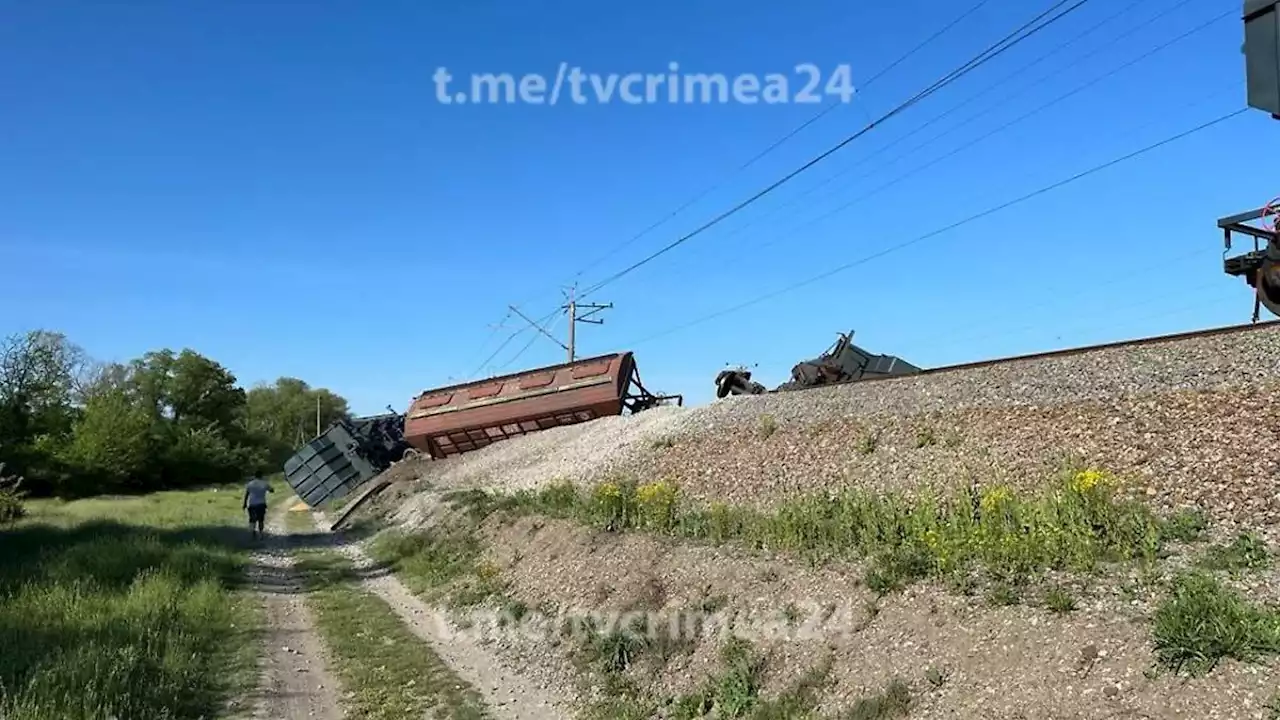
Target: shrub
{"points": [[893, 702], [11, 495], [1002, 594], [925, 436], [733, 693], [768, 426], [657, 505], [867, 443], [614, 504]]}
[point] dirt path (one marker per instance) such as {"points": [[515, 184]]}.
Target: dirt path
{"points": [[296, 683], [508, 695]]}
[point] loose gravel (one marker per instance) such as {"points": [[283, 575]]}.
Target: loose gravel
{"points": [[1190, 422]]}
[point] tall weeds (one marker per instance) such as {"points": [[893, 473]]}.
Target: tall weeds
{"points": [[1076, 525], [109, 610]]}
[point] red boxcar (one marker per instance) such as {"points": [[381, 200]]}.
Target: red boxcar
{"points": [[455, 419]]}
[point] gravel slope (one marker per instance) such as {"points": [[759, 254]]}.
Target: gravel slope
{"points": [[1012, 663], [1188, 421], [1184, 422]]}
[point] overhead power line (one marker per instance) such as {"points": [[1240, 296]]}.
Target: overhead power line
{"points": [[1022, 68], [504, 343], [757, 157], [1006, 43], [554, 316], [991, 133], [782, 140], [493, 331], [934, 233]]}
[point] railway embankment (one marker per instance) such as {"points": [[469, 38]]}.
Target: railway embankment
{"points": [[1186, 422], [1078, 535]]}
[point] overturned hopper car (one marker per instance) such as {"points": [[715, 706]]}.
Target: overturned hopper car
{"points": [[344, 457], [456, 419]]}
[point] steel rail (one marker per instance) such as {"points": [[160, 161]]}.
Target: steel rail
{"points": [[1065, 352]]}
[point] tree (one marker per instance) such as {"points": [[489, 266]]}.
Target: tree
{"points": [[43, 368], [165, 419], [112, 446], [188, 388], [284, 414], [198, 416], [41, 374]]}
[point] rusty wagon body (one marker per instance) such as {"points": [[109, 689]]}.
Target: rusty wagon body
{"points": [[450, 420]]}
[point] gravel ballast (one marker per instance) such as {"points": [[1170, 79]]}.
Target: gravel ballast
{"points": [[1188, 421]]}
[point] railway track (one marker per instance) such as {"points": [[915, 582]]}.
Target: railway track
{"points": [[1066, 352]]}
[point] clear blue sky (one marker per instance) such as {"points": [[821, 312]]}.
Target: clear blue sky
{"points": [[275, 184]]}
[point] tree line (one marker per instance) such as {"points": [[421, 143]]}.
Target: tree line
{"points": [[72, 426]]}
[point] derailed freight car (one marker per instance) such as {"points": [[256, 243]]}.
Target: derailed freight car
{"points": [[459, 418], [344, 457]]}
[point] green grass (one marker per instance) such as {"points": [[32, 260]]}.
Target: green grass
{"points": [[1185, 526], [1202, 622], [1079, 525], [391, 674], [1002, 594], [1059, 600], [443, 563], [1246, 552], [893, 702], [734, 692], [126, 607]]}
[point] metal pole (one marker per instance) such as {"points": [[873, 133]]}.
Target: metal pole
{"points": [[573, 321], [317, 416]]}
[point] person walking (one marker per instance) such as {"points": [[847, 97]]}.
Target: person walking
{"points": [[255, 501]]}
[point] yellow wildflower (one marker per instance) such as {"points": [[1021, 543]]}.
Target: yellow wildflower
{"points": [[994, 498], [1087, 480]]}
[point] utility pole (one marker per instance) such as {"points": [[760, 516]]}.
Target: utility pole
{"points": [[573, 306]]}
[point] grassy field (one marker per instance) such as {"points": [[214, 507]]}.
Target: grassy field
{"points": [[126, 608]]}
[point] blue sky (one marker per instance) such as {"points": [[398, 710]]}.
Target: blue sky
{"points": [[275, 184]]}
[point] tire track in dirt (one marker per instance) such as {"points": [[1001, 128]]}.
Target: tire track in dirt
{"points": [[295, 682], [508, 695]]}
